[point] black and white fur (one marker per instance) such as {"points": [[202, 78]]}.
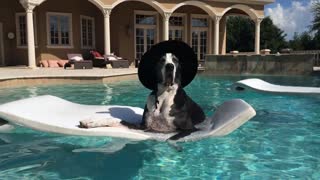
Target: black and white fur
{"points": [[169, 108]]}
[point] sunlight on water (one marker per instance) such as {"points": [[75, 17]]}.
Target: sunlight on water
{"points": [[281, 142]]}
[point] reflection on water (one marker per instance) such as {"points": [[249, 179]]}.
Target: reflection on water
{"points": [[108, 94], [33, 91], [281, 142]]}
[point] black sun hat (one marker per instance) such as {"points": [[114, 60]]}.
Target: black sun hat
{"points": [[187, 60]]}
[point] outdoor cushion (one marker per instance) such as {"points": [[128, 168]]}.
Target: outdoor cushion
{"points": [[96, 54], [53, 63], [61, 63], [111, 57], [44, 63], [75, 57]]}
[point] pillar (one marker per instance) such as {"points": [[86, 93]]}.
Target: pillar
{"points": [[223, 36], [257, 35], [107, 41], [216, 34], [30, 33], [166, 24]]}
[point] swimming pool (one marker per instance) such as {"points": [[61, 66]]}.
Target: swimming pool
{"points": [[282, 141]]}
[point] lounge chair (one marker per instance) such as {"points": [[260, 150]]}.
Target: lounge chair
{"points": [[98, 60], [102, 61], [78, 61], [117, 62]]}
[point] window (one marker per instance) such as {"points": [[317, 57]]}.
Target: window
{"points": [[59, 29], [87, 32], [21, 29], [146, 28], [199, 22], [146, 19], [177, 27], [200, 35]]}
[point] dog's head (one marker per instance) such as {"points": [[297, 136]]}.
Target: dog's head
{"points": [[168, 70]]}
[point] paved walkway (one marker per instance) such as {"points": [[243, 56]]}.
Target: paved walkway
{"points": [[23, 72]]}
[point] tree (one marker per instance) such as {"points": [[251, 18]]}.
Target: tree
{"points": [[303, 41], [307, 41], [316, 16], [272, 37], [295, 43], [241, 35]]}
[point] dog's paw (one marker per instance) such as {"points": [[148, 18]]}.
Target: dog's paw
{"points": [[87, 124], [92, 123]]}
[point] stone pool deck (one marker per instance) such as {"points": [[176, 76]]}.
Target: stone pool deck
{"points": [[22, 76]]}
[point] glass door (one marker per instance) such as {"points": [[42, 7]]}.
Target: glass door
{"points": [[200, 43], [145, 38], [145, 32], [1, 46], [177, 27], [200, 35], [176, 34]]}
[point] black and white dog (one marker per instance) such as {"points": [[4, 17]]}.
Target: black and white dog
{"points": [[169, 108]]}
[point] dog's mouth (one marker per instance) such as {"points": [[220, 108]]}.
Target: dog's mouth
{"points": [[169, 79], [169, 76]]}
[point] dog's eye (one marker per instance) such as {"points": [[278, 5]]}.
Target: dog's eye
{"points": [[175, 60]]}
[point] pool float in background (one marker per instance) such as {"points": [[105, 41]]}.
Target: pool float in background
{"points": [[52, 114], [263, 86]]}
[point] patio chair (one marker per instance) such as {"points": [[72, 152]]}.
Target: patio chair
{"points": [[102, 61], [98, 60], [116, 61], [78, 62]]}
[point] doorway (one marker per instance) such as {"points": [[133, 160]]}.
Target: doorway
{"points": [[1, 46], [146, 25]]}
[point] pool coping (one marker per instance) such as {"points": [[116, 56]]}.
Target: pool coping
{"points": [[17, 77]]}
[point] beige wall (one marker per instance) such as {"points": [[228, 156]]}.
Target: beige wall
{"points": [[13, 55], [122, 26], [18, 56], [83, 7]]}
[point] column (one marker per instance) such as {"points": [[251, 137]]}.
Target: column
{"points": [[30, 33], [223, 36], [166, 18], [257, 35], [216, 34], [107, 13]]}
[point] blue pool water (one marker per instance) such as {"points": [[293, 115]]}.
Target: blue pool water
{"points": [[281, 142]]}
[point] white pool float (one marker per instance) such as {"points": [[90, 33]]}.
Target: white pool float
{"points": [[52, 114], [263, 86]]}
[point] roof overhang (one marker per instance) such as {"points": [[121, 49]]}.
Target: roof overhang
{"points": [[259, 2]]}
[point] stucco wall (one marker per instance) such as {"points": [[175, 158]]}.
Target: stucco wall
{"points": [[292, 64], [82, 7], [18, 56], [122, 25], [122, 28], [13, 55]]}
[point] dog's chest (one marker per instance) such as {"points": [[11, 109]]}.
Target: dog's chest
{"points": [[160, 118], [166, 101]]}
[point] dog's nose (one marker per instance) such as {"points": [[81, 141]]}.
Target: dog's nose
{"points": [[169, 67]]}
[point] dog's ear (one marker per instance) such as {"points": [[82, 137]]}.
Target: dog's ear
{"points": [[174, 58], [178, 71], [157, 69]]}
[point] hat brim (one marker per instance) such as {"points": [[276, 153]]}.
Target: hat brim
{"points": [[187, 60]]}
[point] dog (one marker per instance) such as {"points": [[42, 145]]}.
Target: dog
{"points": [[169, 108]]}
